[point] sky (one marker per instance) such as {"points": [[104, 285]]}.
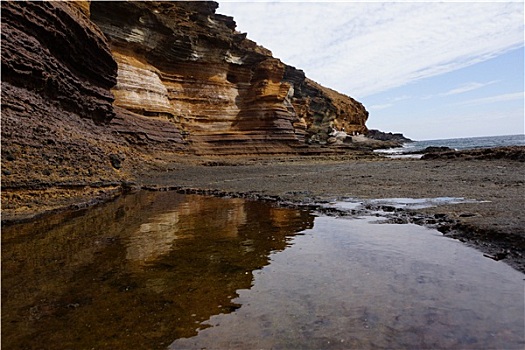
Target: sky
{"points": [[431, 70]]}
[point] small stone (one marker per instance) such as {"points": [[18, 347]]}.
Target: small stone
{"points": [[116, 161], [9, 157]]}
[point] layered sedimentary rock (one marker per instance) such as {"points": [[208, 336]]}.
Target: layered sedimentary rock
{"points": [[59, 124], [55, 51], [57, 72], [323, 109], [182, 62]]}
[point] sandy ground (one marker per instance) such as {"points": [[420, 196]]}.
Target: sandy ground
{"points": [[495, 223]]}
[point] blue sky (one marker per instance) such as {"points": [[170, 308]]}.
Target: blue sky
{"points": [[427, 69]]}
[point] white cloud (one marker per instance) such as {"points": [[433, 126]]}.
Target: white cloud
{"points": [[495, 99], [390, 102], [379, 107], [362, 48], [467, 87], [400, 98]]}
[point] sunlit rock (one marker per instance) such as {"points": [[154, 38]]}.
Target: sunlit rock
{"points": [[184, 62]]}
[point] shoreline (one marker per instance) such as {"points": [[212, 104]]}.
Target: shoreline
{"points": [[494, 224]]}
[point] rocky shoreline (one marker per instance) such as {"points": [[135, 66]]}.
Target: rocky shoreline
{"points": [[492, 219]]}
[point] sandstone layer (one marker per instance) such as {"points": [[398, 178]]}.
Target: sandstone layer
{"points": [[184, 63]]}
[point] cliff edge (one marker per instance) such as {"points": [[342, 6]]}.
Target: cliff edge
{"points": [[181, 62]]}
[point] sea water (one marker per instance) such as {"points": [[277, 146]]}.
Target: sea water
{"points": [[160, 270], [457, 144]]}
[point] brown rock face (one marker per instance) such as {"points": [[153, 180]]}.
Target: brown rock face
{"points": [[323, 109], [59, 126], [57, 71], [53, 49], [179, 61]]}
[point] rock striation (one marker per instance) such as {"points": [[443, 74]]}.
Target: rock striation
{"points": [[57, 72], [52, 49], [182, 62]]}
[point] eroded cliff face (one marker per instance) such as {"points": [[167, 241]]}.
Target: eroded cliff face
{"points": [[182, 62], [57, 72], [93, 92]]}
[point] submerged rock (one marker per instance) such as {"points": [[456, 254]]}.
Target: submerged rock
{"points": [[435, 149]]}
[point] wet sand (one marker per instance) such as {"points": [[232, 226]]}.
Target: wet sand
{"points": [[495, 223]]}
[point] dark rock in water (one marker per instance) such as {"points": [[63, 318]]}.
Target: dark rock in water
{"points": [[497, 256], [384, 136], [435, 149], [516, 153]]}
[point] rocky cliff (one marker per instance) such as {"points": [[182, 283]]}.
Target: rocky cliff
{"points": [[93, 91], [184, 63], [57, 72]]}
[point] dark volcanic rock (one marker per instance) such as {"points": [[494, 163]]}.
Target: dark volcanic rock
{"points": [[384, 136], [516, 153], [54, 50], [57, 72], [434, 149], [116, 161]]}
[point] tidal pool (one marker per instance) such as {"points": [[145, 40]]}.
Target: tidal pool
{"points": [[168, 271]]}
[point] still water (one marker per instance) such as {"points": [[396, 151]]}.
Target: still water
{"points": [[169, 271]]}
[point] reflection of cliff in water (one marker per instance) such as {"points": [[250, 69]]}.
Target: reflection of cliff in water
{"points": [[141, 271]]}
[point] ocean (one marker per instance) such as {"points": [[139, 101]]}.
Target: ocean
{"points": [[457, 144]]}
